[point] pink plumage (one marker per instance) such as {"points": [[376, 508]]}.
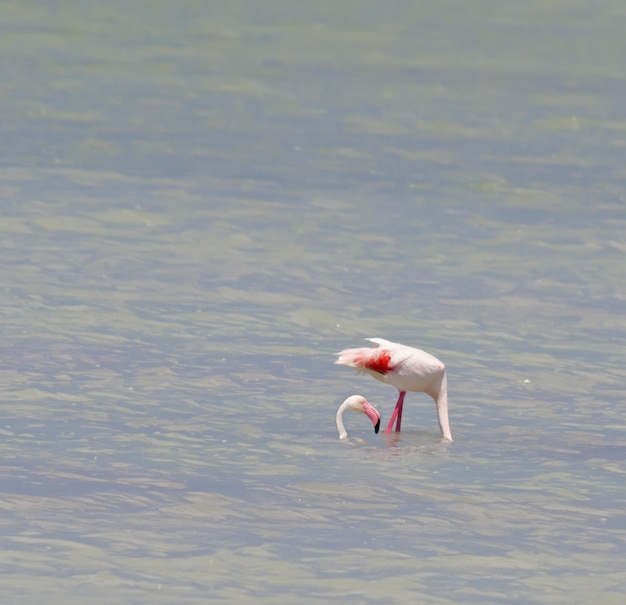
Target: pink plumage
{"points": [[407, 369]]}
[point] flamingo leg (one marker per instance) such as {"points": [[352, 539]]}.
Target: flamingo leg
{"points": [[400, 406], [396, 415], [392, 420]]}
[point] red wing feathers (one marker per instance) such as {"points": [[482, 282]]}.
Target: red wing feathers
{"points": [[379, 362], [369, 360]]}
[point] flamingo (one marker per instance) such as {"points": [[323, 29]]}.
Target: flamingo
{"points": [[356, 403], [407, 369]]}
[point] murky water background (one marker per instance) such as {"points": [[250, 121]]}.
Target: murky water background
{"points": [[201, 205]]}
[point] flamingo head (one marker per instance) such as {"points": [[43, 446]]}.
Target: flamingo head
{"points": [[359, 404]]}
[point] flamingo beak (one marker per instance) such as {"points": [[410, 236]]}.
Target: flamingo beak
{"points": [[373, 414]]}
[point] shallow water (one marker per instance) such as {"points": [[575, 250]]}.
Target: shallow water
{"points": [[201, 206]]}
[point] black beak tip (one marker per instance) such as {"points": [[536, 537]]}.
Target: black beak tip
{"points": [[377, 426]]}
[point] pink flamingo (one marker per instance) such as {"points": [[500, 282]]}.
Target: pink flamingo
{"points": [[407, 369], [356, 403]]}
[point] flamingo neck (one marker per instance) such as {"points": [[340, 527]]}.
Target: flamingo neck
{"points": [[339, 419], [441, 400]]}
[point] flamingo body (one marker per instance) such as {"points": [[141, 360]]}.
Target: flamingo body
{"points": [[407, 369]]}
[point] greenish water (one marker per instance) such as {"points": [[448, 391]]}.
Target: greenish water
{"points": [[200, 205]]}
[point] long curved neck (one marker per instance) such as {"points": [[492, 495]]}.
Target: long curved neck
{"points": [[340, 427], [441, 400]]}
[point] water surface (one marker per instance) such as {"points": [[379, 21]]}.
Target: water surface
{"points": [[201, 205]]}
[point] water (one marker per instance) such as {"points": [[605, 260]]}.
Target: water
{"points": [[201, 205]]}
